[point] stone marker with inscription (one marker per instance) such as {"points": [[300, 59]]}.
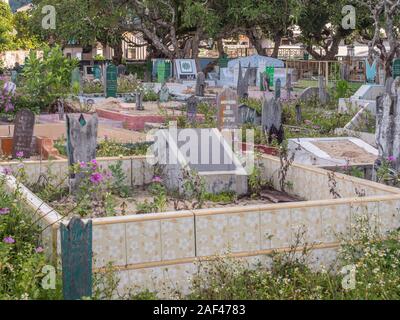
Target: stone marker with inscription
{"points": [[278, 85], [228, 113], [23, 133], [192, 104], [111, 81]]}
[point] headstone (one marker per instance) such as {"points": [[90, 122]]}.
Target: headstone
{"points": [[228, 113], [60, 109], [186, 69], [81, 142], [139, 101], [23, 133], [299, 117], [289, 87], [192, 104], [161, 71], [76, 257], [396, 68], [322, 90], [121, 69], [200, 84], [97, 72], [270, 72], [272, 120], [243, 82], [14, 76], [164, 93], [309, 94], [247, 115], [278, 85], [111, 81]]}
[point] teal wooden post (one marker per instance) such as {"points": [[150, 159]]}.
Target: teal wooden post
{"points": [[112, 81], [76, 255], [396, 68]]}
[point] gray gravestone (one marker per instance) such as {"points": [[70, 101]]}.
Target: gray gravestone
{"points": [[139, 101], [164, 93], [289, 85], [278, 85], [121, 69], [228, 113], [243, 82], [200, 84], [81, 141], [23, 133], [247, 115], [299, 117], [309, 94], [272, 119], [60, 109], [322, 90], [192, 104]]}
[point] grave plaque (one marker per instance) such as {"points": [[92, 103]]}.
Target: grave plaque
{"points": [[200, 84], [272, 120], [247, 114], [192, 104], [111, 82], [14, 76], [164, 93], [139, 101], [97, 72], [278, 85], [186, 69], [270, 72], [289, 85], [228, 113], [396, 68], [23, 133]]}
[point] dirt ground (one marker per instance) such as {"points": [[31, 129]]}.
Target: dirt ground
{"points": [[150, 108], [346, 149]]}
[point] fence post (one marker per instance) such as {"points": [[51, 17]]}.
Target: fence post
{"points": [[76, 255]]}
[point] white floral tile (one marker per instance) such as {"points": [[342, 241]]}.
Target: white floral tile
{"points": [[109, 245], [275, 229], [306, 225], [143, 241], [244, 232], [177, 238], [335, 222], [212, 234]]}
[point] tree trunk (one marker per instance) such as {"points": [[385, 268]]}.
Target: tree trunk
{"points": [[277, 44], [256, 41], [220, 46], [118, 53]]}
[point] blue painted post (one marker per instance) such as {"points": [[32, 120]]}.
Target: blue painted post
{"points": [[76, 255]]}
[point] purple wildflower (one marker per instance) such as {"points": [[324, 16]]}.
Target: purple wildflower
{"points": [[7, 171], [157, 179], [82, 164], [96, 178], [392, 159], [94, 164], [9, 240], [4, 211], [39, 250], [20, 154]]}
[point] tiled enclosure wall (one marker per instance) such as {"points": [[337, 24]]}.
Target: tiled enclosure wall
{"points": [[312, 183], [138, 171], [150, 250]]}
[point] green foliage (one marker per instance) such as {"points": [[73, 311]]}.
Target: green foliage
{"points": [[223, 197], [159, 202], [6, 26], [109, 148], [136, 69], [49, 78], [21, 259], [119, 177]]}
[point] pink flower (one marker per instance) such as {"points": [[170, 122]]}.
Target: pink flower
{"points": [[4, 211], [39, 250], [308, 122], [7, 171], [392, 159], [20, 154], [9, 240], [82, 165], [96, 178], [94, 163], [157, 180]]}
